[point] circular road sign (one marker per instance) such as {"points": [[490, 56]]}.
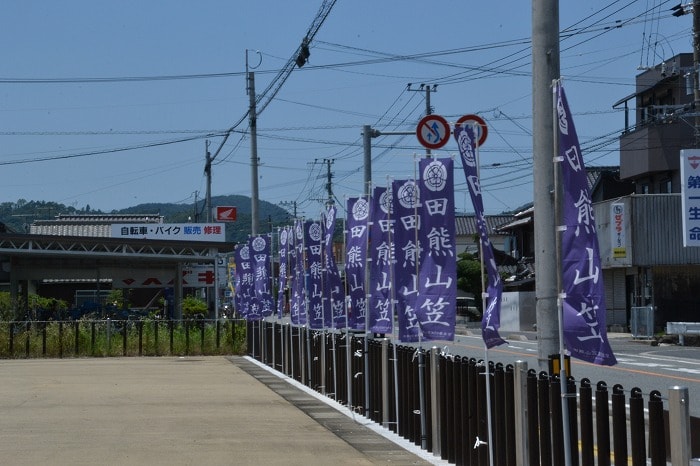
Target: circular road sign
{"points": [[433, 131], [482, 129]]}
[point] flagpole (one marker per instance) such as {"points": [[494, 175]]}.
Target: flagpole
{"points": [[324, 279], [365, 368], [394, 322], [421, 359], [484, 305], [272, 286], [305, 268], [560, 307], [348, 358]]}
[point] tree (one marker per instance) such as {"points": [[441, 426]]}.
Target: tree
{"points": [[193, 307], [39, 308], [469, 276]]}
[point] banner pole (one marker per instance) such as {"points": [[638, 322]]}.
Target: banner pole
{"points": [[484, 305], [365, 368], [560, 307], [394, 316], [348, 358]]}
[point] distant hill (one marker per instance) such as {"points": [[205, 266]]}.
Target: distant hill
{"points": [[17, 216]]}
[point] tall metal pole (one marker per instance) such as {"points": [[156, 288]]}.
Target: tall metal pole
{"points": [[252, 118], [329, 180], [428, 111], [207, 171], [545, 68], [367, 146]]}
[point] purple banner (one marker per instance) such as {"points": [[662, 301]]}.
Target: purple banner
{"points": [[584, 312], [406, 204], [332, 281], [283, 272], [356, 237], [381, 253], [253, 308], [297, 305], [437, 278], [260, 246], [243, 283], [313, 236], [491, 320]]}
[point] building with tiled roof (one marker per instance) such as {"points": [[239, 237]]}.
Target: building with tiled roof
{"points": [[90, 225]]}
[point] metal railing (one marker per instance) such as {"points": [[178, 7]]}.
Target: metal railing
{"points": [[78, 338], [449, 417]]}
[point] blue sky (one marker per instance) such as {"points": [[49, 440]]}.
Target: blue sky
{"points": [[61, 139]]}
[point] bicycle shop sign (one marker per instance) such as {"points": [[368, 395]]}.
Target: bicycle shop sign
{"points": [[171, 231]]}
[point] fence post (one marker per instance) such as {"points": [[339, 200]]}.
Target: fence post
{"points": [[679, 425], [76, 326], [619, 424], [386, 410], [60, 339], [602, 424], [26, 342], [636, 403], [92, 338], [109, 336], [435, 398], [155, 336], [521, 414], [657, 439], [125, 331]]}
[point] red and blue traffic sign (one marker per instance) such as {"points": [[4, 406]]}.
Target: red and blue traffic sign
{"points": [[433, 131]]}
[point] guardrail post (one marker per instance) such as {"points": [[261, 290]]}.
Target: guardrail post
{"points": [[521, 413], [679, 425], [435, 398]]}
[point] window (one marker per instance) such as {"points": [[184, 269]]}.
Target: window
{"points": [[665, 186]]}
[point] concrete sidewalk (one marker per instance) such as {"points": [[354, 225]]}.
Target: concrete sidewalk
{"points": [[175, 411]]}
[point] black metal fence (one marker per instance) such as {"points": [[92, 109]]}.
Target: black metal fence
{"points": [[77, 338], [440, 402]]}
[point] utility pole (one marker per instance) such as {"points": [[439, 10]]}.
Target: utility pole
{"points": [[367, 135], [428, 109], [196, 214], [292, 204], [329, 180], [207, 171], [545, 69], [696, 68], [252, 118]]}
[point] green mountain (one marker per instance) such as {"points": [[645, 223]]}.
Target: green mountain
{"points": [[17, 216]]}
